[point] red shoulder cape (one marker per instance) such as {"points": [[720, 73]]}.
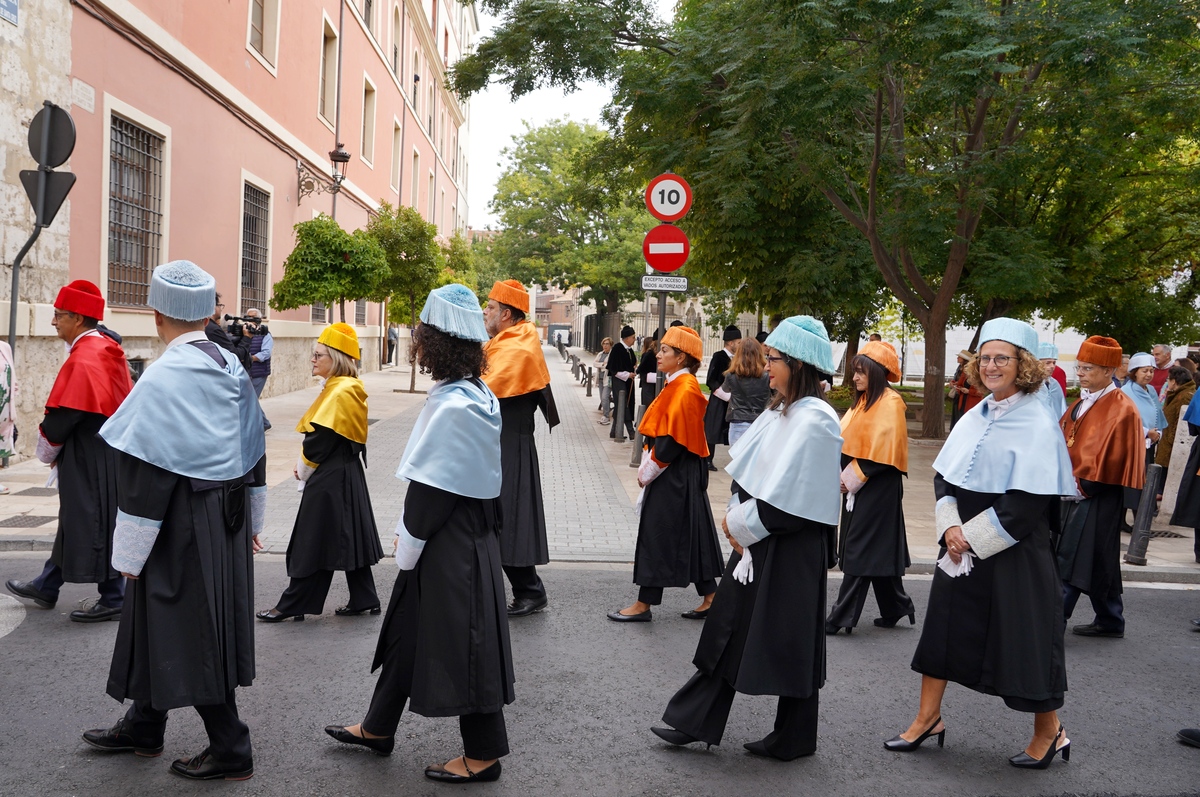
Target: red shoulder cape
{"points": [[678, 412], [95, 377]]}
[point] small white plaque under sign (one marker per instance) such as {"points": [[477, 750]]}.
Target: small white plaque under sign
{"points": [[658, 282], [83, 96]]}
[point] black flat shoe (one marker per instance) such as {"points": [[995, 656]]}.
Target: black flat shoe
{"points": [[96, 614], [273, 616], [898, 744], [677, 738], [520, 607], [117, 739], [760, 748], [439, 773], [1196, 624], [1023, 760], [644, 617], [695, 614], [1093, 630], [1189, 736], [831, 629], [205, 767], [712, 467], [890, 622], [23, 589], [346, 611], [382, 746]]}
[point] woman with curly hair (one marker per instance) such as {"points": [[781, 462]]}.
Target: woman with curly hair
{"points": [[995, 618], [444, 646]]}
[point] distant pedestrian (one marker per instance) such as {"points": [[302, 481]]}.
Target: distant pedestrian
{"points": [[994, 622], [261, 345], [393, 338], [647, 370], [1145, 398], [873, 547], [677, 541], [1051, 393], [763, 635], [444, 647], [874, 336], [746, 388], [603, 381], [335, 525], [622, 363], [716, 428], [1162, 365], [963, 395]]}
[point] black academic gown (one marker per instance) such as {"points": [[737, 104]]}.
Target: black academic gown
{"points": [[622, 359], [87, 493], [874, 543], [187, 628], [716, 427], [768, 637], [335, 526], [446, 622], [999, 629], [677, 540], [1187, 503], [523, 518], [647, 365], [1089, 550]]}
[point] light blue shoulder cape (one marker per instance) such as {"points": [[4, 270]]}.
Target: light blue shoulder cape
{"points": [[1147, 404], [1022, 450], [1051, 395], [455, 443], [793, 461], [190, 416]]}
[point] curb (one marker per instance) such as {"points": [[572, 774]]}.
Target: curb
{"points": [[27, 545]]}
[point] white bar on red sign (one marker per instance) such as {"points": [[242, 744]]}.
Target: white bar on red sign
{"points": [[666, 249]]}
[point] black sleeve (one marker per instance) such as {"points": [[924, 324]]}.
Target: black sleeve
{"points": [[1193, 429], [942, 488], [648, 365], [779, 522], [666, 450], [717, 367], [1014, 510], [872, 469], [320, 443], [60, 422], [144, 490], [257, 477], [218, 336], [427, 509]]}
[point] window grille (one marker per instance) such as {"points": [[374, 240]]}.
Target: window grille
{"points": [[134, 211], [360, 312], [318, 313], [256, 217]]}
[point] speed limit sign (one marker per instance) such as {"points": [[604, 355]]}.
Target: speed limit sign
{"points": [[668, 197]]}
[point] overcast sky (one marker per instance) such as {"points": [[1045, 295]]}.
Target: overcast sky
{"points": [[495, 119]]}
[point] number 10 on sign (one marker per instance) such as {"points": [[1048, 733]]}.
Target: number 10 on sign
{"points": [[668, 197]]}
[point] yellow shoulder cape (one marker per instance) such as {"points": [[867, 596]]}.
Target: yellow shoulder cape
{"points": [[340, 406]]}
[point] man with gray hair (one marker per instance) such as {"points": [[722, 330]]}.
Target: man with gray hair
{"points": [[1162, 366], [257, 338]]}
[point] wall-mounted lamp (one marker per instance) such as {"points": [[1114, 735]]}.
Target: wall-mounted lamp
{"points": [[308, 182]]}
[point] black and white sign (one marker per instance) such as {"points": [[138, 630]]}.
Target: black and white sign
{"points": [[658, 282]]}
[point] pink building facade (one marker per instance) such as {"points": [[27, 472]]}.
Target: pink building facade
{"points": [[204, 133]]}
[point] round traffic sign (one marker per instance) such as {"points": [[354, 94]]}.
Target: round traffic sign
{"points": [[60, 137], [668, 197], [666, 247]]}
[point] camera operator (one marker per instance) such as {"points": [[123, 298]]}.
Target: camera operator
{"points": [[216, 333], [257, 341]]}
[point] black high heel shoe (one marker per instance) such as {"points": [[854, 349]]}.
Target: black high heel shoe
{"points": [[1023, 760], [381, 746], [831, 629], [890, 622], [899, 744], [678, 738]]}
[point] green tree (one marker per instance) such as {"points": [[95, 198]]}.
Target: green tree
{"points": [[330, 265]]}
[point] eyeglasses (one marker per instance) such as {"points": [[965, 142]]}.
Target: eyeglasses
{"points": [[316, 355], [1000, 360], [1084, 369], [771, 360], [60, 313]]}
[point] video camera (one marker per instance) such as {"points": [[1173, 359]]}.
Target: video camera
{"points": [[257, 327]]}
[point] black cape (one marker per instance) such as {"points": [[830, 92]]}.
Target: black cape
{"points": [[999, 629], [1187, 504], [187, 628], [716, 427], [335, 525], [677, 540], [768, 637], [87, 493], [446, 621], [874, 543], [523, 517]]}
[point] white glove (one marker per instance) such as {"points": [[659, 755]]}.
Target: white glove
{"points": [[849, 502], [963, 567], [52, 479], [641, 499], [408, 547], [744, 570], [623, 376], [651, 377]]}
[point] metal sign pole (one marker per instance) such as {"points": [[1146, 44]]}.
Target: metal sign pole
{"points": [[662, 324]]}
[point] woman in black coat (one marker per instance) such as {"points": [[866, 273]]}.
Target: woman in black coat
{"points": [[444, 647]]}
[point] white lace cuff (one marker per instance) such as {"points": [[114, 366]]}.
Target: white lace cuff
{"points": [[408, 547], [46, 451], [258, 509], [303, 469], [133, 538], [742, 520], [946, 515], [852, 479], [649, 470], [985, 534]]}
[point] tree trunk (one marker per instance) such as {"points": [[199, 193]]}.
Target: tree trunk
{"points": [[851, 353], [612, 302], [412, 325], [933, 419]]}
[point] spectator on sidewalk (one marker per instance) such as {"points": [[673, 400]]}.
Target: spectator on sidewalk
{"points": [[217, 334], [963, 395], [1051, 392], [1162, 367], [622, 363], [1105, 439], [89, 388], [603, 382], [261, 345], [677, 540], [647, 370], [518, 376], [746, 387], [716, 428], [393, 337], [1180, 392], [335, 525], [1141, 367]]}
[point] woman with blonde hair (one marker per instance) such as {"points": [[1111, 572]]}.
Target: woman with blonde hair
{"points": [[335, 526], [746, 387]]}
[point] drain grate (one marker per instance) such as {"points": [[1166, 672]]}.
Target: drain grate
{"points": [[38, 491], [26, 521], [1164, 534]]}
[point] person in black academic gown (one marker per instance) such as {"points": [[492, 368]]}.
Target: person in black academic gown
{"points": [[444, 646], [622, 364], [335, 525], [647, 370], [763, 635], [716, 424], [1187, 505]]}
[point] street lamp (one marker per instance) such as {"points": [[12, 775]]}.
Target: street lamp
{"points": [[308, 182]]}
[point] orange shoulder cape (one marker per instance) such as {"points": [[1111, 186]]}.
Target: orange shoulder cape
{"points": [[516, 365], [678, 413], [95, 377], [341, 406], [879, 434], [1106, 445]]}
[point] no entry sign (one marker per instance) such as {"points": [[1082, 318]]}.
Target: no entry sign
{"points": [[668, 197], [666, 247]]}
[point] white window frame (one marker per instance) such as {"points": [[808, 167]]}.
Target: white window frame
{"points": [[330, 80], [416, 180], [397, 154], [368, 126], [271, 12]]}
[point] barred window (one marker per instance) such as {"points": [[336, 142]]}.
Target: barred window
{"points": [[317, 314], [134, 211], [256, 218], [360, 312]]}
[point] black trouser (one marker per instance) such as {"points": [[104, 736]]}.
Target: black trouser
{"points": [[653, 595], [307, 595], [630, 408], [1110, 609], [228, 736], [525, 582], [484, 735], [893, 601], [50, 581], [701, 708]]}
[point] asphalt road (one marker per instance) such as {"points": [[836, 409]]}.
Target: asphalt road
{"points": [[589, 690]]}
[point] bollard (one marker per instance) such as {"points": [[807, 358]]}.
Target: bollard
{"points": [[588, 382], [574, 366], [635, 459], [1140, 539], [619, 419]]}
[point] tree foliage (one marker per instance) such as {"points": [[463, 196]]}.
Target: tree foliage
{"points": [[330, 265], [409, 243]]}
